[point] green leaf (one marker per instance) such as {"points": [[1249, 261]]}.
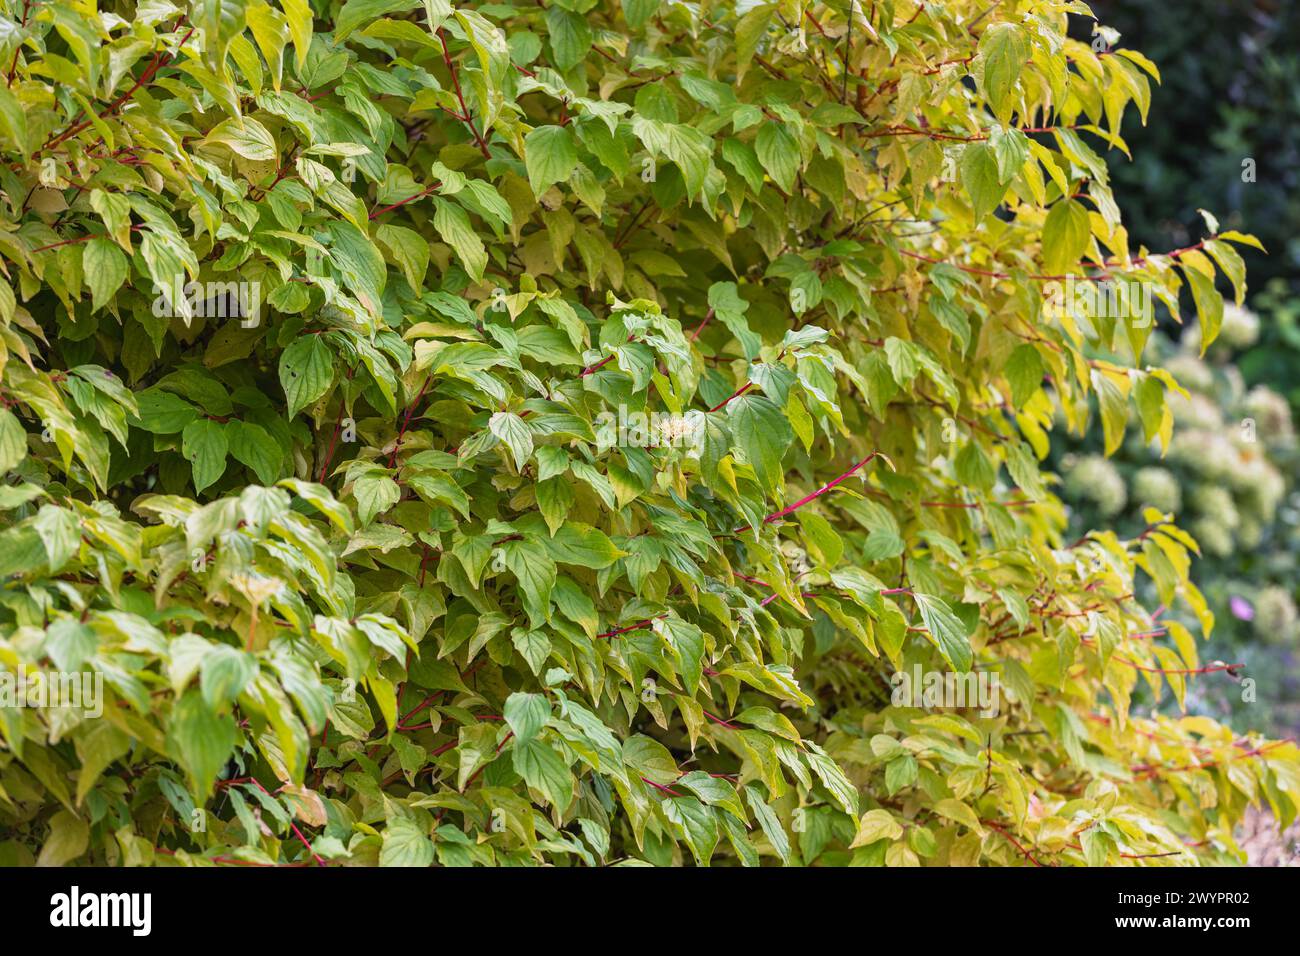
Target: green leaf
{"points": [[453, 225], [1024, 370], [246, 136], [713, 791], [204, 446], [60, 534], [638, 12], [876, 825], [1209, 305], [163, 413], [778, 151], [13, 121], [106, 268], [13, 441], [410, 251], [1065, 236], [769, 823], [1011, 149], [763, 434], [749, 33], [534, 647], [696, 823], [725, 300], [550, 156], [359, 262], [70, 643], [583, 545], [527, 714], [375, 493], [405, 843], [686, 642], [306, 370], [515, 434], [224, 674], [833, 779], [686, 146], [200, 740], [979, 177], [221, 22], [1113, 401], [544, 771], [252, 445], [973, 467], [1233, 266], [68, 839], [570, 37], [357, 12], [535, 571], [946, 630], [1004, 49]]}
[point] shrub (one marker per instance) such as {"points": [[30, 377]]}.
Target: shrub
{"points": [[333, 338], [1226, 478]]}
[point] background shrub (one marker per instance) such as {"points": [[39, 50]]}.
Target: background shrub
{"points": [[1228, 73]]}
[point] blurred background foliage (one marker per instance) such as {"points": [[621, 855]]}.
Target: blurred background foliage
{"points": [[1230, 92], [1230, 108]]}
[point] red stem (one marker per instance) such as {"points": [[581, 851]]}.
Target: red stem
{"points": [[1108, 264], [777, 515], [410, 410], [455, 81], [398, 205], [1014, 842], [160, 60], [338, 427], [13, 66]]}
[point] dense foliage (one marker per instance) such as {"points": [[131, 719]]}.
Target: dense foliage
{"points": [[1228, 71], [367, 532], [1228, 476]]}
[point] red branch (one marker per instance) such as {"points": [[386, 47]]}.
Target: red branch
{"points": [[720, 722], [13, 66], [658, 786], [700, 328], [1107, 265], [732, 397], [902, 129], [160, 60], [69, 242], [777, 515], [397, 205], [1014, 842], [464, 110], [410, 410], [292, 826], [1212, 669], [1209, 669], [638, 626], [338, 427], [1153, 770]]}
